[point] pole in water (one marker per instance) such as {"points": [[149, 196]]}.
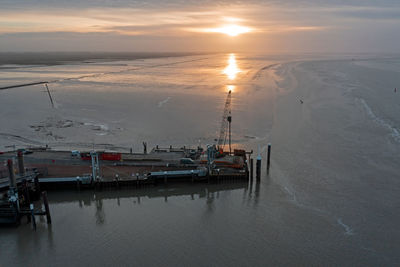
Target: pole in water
{"points": [[51, 98], [33, 216], [46, 206], [251, 168], [269, 157], [258, 168]]}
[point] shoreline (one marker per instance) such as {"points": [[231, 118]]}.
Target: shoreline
{"points": [[63, 58]]}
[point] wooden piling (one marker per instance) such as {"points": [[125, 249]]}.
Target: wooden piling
{"points": [[251, 168], [33, 217], [269, 157], [46, 206], [258, 168]]}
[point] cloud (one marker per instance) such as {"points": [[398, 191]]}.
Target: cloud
{"points": [[179, 24]]}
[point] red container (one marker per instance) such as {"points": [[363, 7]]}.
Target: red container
{"points": [[111, 156]]}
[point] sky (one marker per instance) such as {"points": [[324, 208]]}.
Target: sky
{"points": [[270, 26]]}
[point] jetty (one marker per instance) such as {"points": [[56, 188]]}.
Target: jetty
{"points": [[29, 171]]}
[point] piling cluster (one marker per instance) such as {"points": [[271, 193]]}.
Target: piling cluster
{"points": [[21, 194]]}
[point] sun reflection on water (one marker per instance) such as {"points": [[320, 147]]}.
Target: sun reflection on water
{"points": [[232, 69]]}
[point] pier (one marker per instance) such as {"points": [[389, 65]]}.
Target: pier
{"points": [[45, 169]]}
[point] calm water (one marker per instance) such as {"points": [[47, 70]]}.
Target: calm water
{"points": [[331, 197]]}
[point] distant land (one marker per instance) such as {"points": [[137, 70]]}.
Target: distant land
{"points": [[58, 58]]}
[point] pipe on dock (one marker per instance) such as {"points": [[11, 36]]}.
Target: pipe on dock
{"points": [[21, 167], [11, 174]]}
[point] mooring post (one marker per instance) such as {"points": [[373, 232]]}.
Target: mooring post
{"points": [[251, 169], [33, 217], [258, 168], [269, 157], [46, 206]]}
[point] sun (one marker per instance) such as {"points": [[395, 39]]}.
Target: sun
{"points": [[232, 30]]}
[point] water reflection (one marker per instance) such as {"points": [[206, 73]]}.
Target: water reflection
{"points": [[210, 193], [194, 192], [232, 69], [100, 215]]}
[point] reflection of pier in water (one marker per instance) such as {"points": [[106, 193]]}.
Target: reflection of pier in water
{"points": [[202, 191], [208, 192]]}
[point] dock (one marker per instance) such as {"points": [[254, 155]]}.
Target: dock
{"points": [[101, 168], [41, 169]]}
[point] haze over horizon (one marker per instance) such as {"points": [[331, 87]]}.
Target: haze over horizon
{"points": [[201, 26]]}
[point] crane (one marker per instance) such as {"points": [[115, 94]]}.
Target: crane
{"points": [[226, 123]]}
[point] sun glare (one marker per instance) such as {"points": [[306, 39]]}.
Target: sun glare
{"points": [[232, 69], [230, 88], [231, 30]]}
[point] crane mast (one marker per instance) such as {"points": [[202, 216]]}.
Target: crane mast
{"points": [[226, 124]]}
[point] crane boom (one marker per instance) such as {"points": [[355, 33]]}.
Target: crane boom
{"points": [[226, 119]]}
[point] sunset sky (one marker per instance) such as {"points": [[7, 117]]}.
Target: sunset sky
{"points": [[270, 26]]}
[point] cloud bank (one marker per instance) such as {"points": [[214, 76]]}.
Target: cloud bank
{"points": [[277, 26]]}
